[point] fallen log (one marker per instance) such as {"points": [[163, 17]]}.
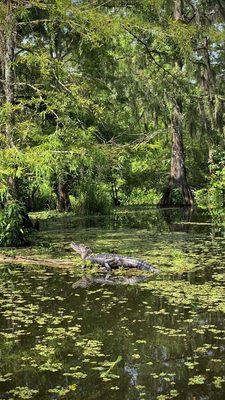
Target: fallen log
{"points": [[111, 261], [20, 260]]}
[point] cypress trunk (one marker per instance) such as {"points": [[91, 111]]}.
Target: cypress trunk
{"points": [[178, 176], [63, 200]]}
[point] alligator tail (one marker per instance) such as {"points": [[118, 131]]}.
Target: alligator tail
{"points": [[147, 267]]}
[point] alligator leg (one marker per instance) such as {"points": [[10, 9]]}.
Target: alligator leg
{"points": [[109, 263], [113, 262], [107, 276], [107, 267]]}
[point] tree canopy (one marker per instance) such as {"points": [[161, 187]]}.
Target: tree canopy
{"points": [[95, 96]]}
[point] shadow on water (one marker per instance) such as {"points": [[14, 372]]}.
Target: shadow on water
{"points": [[160, 339]]}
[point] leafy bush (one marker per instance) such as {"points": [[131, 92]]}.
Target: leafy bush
{"points": [[94, 198], [12, 232], [143, 196], [201, 198], [213, 196], [177, 197], [216, 191]]}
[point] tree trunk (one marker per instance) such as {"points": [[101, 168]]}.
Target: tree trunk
{"points": [[7, 35], [115, 196], [178, 176], [221, 8], [63, 200], [178, 10], [7, 48]]}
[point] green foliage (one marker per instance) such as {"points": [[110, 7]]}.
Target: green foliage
{"points": [[94, 198], [12, 231], [94, 90], [201, 197], [143, 196], [213, 196], [177, 197]]}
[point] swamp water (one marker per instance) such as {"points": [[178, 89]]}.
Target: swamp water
{"points": [[160, 339]]}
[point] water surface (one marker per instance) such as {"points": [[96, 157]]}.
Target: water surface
{"points": [[160, 339]]}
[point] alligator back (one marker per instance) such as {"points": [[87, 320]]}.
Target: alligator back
{"points": [[116, 260]]}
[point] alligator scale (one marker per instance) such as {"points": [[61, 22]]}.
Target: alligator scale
{"points": [[111, 261]]}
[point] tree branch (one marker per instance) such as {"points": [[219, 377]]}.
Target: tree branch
{"points": [[61, 84], [21, 49], [222, 8], [33, 22], [29, 85], [150, 53]]}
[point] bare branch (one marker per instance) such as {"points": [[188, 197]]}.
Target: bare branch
{"points": [[29, 85], [61, 84], [34, 22], [22, 49]]}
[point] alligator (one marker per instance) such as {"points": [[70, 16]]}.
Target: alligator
{"points": [[111, 261]]}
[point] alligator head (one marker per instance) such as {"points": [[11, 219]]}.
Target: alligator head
{"points": [[81, 249]]}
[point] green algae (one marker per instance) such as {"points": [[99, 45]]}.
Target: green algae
{"points": [[183, 293]]}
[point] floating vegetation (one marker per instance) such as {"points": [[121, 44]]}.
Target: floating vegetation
{"points": [[22, 393], [62, 392], [197, 380], [183, 293]]}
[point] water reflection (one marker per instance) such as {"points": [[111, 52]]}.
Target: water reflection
{"points": [[160, 220]]}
